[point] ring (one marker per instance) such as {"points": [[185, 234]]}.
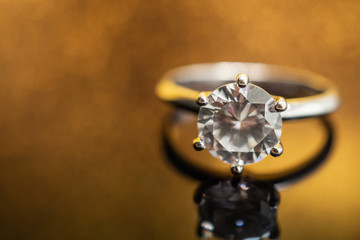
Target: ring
{"points": [[239, 122]]}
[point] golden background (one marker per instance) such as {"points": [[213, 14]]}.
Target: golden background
{"points": [[80, 126]]}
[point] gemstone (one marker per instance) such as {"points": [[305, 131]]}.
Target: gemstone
{"points": [[239, 125]]}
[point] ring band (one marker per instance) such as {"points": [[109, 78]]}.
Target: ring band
{"points": [[240, 121], [308, 94]]}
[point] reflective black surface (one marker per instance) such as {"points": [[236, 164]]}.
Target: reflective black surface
{"points": [[237, 208]]}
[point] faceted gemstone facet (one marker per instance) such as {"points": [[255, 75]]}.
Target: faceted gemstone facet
{"points": [[239, 125]]}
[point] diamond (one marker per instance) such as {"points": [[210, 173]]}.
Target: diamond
{"points": [[239, 125]]}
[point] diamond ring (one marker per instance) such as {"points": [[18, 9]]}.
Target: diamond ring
{"points": [[241, 106]]}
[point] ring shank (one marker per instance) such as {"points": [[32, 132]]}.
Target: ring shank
{"points": [[307, 93]]}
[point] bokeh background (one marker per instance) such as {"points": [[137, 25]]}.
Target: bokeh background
{"points": [[80, 126]]}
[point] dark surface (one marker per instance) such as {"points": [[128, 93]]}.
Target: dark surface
{"points": [[81, 153]]}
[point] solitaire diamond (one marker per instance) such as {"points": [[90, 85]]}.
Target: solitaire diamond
{"points": [[239, 125]]}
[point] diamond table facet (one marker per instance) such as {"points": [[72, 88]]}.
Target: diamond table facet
{"points": [[239, 125]]}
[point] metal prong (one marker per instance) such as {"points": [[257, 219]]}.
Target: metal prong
{"points": [[281, 104], [198, 144], [202, 99], [242, 80], [237, 169], [277, 150]]}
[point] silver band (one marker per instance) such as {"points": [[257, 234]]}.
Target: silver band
{"points": [[307, 94]]}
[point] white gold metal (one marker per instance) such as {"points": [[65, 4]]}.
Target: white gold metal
{"points": [[242, 80], [277, 150], [237, 169], [307, 94], [202, 99], [198, 144], [281, 104]]}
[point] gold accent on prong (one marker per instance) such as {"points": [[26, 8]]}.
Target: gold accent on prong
{"points": [[198, 144], [277, 150], [202, 98], [281, 104], [242, 80]]}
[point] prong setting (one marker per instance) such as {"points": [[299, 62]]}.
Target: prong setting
{"points": [[242, 80], [228, 99], [277, 150], [198, 144], [236, 169], [281, 104], [202, 99]]}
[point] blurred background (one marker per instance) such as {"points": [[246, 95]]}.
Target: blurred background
{"points": [[81, 154]]}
